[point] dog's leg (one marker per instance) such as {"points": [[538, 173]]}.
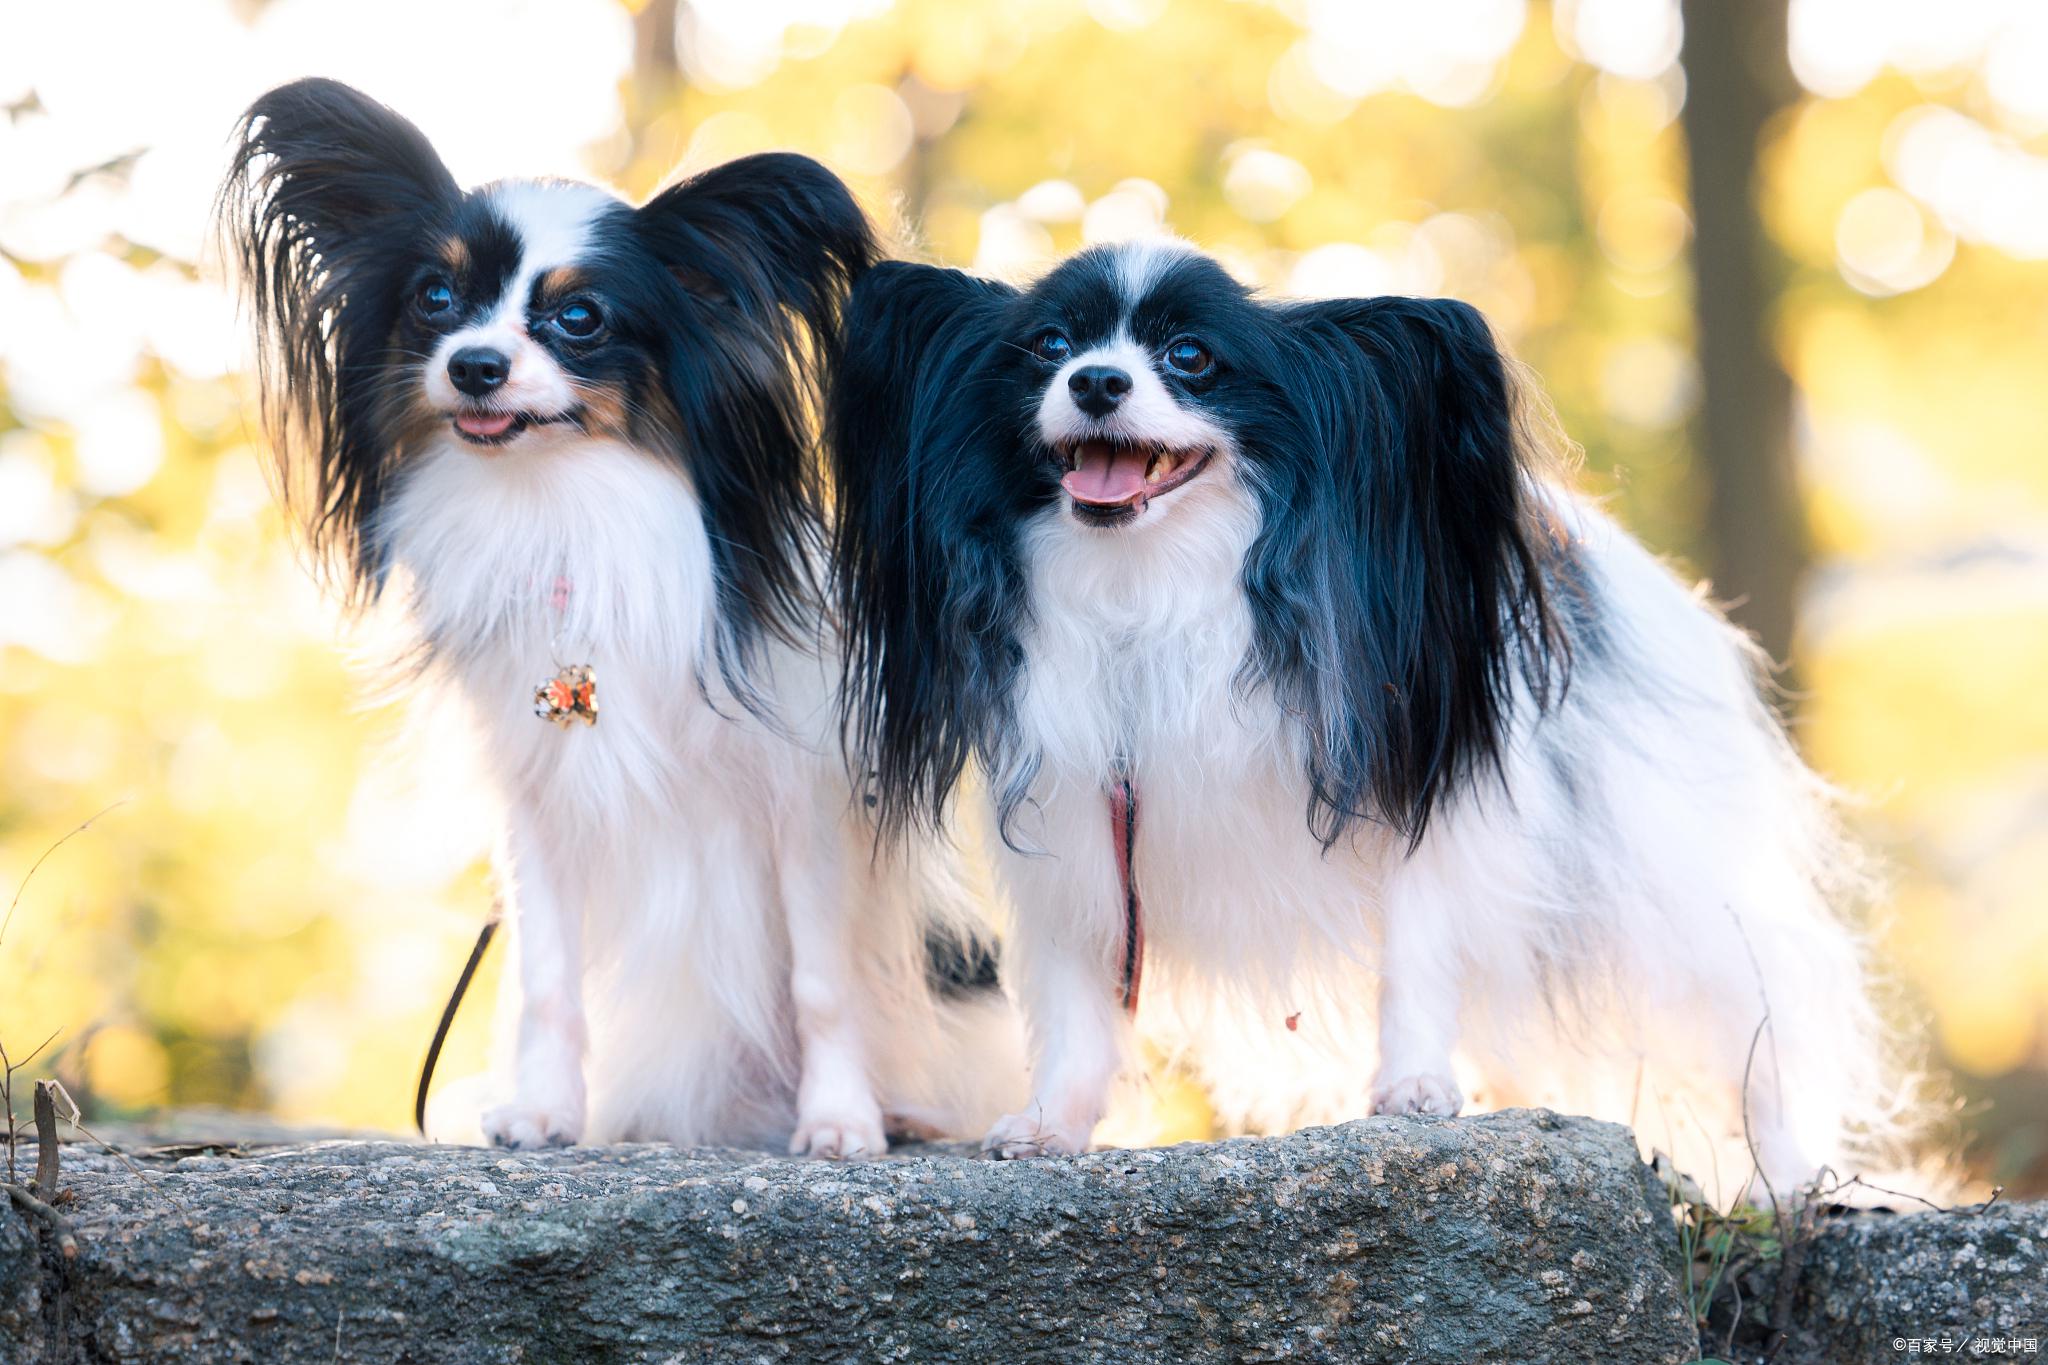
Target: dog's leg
{"points": [[1421, 974], [1076, 1031], [547, 1107], [837, 1114], [1066, 949]]}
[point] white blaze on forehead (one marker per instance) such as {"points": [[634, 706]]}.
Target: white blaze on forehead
{"points": [[1139, 265], [555, 222], [553, 218]]}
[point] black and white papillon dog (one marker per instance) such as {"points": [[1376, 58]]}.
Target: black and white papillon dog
{"points": [[576, 440], [1293, 671]]}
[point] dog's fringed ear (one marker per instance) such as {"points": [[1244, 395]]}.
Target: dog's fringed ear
{"points": [[1404, 569], [320, 179], [770, 234], [761, 252], [927, 570]]}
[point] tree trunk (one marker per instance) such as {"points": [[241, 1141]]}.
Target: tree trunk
{"points": [[1737, 78], [655, 64]]}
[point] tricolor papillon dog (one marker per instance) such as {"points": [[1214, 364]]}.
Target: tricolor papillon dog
{"points": [[575, 440], [1293, 675]]}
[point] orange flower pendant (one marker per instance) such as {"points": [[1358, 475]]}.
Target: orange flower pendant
{"points": [[570, 695]]}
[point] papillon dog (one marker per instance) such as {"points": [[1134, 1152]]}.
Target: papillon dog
{"points": [[576, 441], [1293, 672]]}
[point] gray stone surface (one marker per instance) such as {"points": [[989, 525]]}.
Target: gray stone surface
{"points": [[21, 1283], [1875, 1282], [1508, 1237]]}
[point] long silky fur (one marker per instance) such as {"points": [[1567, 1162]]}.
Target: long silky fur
{"points": [[771, 239], [1406, 716], [1399, 575], [703, 948], [749, 263], [925, 544], [1399, 578], [322, 184]]}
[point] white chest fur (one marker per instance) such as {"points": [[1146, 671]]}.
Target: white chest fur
{"points": [[594, 552], [591, 553], [1135, 654]]}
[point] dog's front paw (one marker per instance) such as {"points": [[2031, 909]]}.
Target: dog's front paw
{"points": [[839, 1137], [1420, 1094], [1016, 1136], [526, 1127]]}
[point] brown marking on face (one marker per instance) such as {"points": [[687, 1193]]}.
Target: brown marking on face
{"points": [[455, 256], [605, 409], [613, 410], [555, 286], [657, 407], [662, 413]]}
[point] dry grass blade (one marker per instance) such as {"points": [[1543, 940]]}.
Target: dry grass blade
{"points": [[73, 1115], [1791, 1267], [29, 876], [8, 1066], [1857, 1182], [38, 1049], [46, 1140], [59, 1226]]}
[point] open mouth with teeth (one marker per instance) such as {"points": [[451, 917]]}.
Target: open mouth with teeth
{"points": [[1113, 480], [485, 428]]}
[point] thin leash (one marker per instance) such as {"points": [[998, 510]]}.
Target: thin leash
{"points": [[1123, 830], [476, 955]]}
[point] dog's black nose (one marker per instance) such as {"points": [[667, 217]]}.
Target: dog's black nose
{"points": [[1097, 389], [476, 370]]}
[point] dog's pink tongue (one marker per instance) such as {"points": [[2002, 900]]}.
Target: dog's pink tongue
{"points": [[486, 423], [1105, 475]]}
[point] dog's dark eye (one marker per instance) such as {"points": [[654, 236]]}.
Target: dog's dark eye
{"points": [[1189, 358], [580, 320], [1053, 348], [435, 297]]}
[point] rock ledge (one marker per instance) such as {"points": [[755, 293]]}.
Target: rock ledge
{"points": [[1519, 1236]]}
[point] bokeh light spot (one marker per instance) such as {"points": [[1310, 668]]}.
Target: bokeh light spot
{"points": [[1885, 245], [871, 129]]}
